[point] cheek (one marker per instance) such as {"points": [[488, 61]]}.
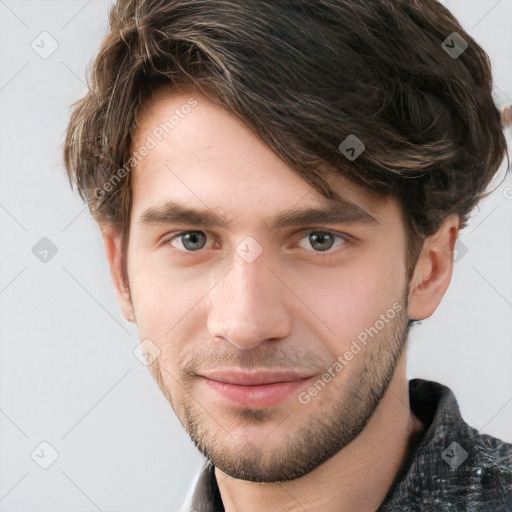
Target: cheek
{"points": [[167, 313], [353, 298], [162, 297]]}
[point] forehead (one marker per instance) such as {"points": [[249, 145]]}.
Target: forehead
{"points": [[198, 153]]}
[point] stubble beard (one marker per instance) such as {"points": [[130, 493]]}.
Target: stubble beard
{"points": [[319, 434]]}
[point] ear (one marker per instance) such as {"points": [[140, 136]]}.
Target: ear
{"points": [[112, 240], [433, 271]]}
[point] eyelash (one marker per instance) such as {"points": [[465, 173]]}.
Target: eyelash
{"points": [[345, 239]]}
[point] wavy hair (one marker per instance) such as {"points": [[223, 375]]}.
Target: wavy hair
{"points": [[303, 75]]}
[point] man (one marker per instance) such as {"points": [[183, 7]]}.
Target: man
{"points": [[280, 186]]}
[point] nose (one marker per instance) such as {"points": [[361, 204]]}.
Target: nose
{"points": [[248, 306]]}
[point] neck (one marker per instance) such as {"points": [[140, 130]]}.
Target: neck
{"points": [[357, 478]]}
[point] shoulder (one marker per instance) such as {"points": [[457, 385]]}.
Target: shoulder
{"points": [[489, 472], [455, 467]]}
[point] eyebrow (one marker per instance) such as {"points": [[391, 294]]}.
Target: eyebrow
{"points": [[335, 212]]}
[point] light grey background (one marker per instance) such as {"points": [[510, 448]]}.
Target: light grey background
{"points": [[68, 373]]}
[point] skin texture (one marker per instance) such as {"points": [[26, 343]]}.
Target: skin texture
{"points": [[293, 307]]}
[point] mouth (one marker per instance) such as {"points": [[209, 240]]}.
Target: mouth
{"points": [[253, 389]]}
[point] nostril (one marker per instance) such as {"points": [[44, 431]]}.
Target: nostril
{"points": [[234, 342]]}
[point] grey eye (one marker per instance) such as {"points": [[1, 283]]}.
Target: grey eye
{"points": [[321, 241], [193, 240]]}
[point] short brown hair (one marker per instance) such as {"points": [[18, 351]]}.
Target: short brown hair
{"points": [[304, 75]]}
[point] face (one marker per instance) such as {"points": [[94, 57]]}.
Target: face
{"points": [[277, 316]]}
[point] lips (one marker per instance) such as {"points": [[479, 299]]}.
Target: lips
{"points": [[255, 388], [252, 377]]}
